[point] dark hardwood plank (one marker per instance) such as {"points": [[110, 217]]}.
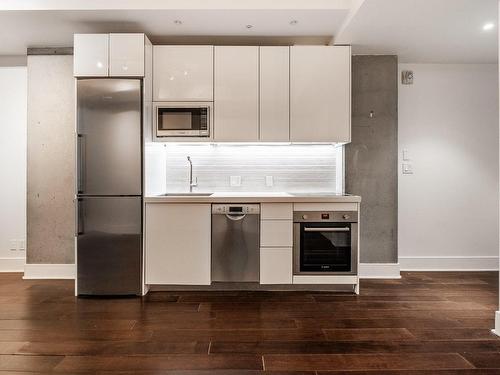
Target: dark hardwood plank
{"points": [[415, 372], [484, 360], [353, 347], [407, 361], [26, 363], [156, 362], [369, 334], [453, 334], [233, 323], [241, 334], [88, 348]]}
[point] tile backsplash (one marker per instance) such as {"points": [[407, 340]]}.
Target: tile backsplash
{"points": [[290, 168]]}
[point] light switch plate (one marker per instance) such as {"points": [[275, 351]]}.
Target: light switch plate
{"points": [[235, 180], [22, 245], [269, 181], [407, 168], [13, 245], [406, 154]]}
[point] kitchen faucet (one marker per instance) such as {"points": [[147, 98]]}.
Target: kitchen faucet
{"points": [[191, 182]]}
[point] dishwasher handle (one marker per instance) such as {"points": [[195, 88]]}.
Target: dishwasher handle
{"points": [[234, 217]]}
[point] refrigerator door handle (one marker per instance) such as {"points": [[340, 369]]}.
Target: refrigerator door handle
{"points": [[79, 217], [80, 154]]}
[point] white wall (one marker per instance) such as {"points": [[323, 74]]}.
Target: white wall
{"points": [[12, 166], [448, 207]]}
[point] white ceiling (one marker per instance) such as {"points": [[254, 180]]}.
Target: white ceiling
{"points": [[430, 31], [437, 31]]}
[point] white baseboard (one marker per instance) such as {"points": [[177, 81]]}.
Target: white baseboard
{"points": [[449, 263], [379, 271], [12, 264], [496, 331], [49, 271]]}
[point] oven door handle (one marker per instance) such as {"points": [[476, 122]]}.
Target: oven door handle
{"points": [[345, 229]]}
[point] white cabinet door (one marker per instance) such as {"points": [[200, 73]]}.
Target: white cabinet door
{"points": [[274, 94], [126, 55], [320, 94], [236, 93], [276, 265], [178, 243], [183, 73], [90, 55]]}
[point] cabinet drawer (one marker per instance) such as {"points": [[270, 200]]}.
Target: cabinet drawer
{"points": [[276, 233], [276, 211], [276, 265]]}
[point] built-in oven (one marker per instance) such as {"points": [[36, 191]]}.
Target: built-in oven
{"points": [[175, 119], [325, 242]]}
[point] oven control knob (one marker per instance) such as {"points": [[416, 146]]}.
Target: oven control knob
{"points": [[304, 217], [346, 217]]}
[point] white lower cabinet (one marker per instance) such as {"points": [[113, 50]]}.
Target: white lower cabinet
{"points": [[276, 265], [178, 243]]}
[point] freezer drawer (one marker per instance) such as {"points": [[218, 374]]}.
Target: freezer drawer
{"points": [[109, 150], [109, 246]]}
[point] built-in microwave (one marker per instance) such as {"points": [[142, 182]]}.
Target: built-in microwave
{"points": [[174, 119]]}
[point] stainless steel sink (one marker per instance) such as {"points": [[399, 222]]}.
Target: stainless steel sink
{"points": [[185, 195]]}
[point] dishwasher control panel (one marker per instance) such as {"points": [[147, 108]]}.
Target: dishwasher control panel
{"points": [[236, 209]]}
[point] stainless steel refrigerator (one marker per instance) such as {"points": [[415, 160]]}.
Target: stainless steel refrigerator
{"points": [[109, 186]]}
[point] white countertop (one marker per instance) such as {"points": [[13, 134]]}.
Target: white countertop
{"points": [[255, 197]]}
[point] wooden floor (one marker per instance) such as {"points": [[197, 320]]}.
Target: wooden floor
{"points": [[432, 323]]}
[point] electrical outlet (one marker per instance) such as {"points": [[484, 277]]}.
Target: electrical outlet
{"points": [[235, 180], [407, 168], [269, 181], [13, 245]]}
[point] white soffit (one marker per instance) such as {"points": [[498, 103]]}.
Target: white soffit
{"points": [[172, 4], [43, 23], [425, 31]]}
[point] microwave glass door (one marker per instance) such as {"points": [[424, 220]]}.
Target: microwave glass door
{"points": [[325, 247], [192, 120]]}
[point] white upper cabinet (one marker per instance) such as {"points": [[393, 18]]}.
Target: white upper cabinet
{"points": [[90, 55], [320, 99], [126, 55], [274, 94], [109, 55], [183, 73], [236, 93]]}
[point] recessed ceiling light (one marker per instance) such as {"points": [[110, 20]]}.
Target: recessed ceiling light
{"points": [[178, 22], [488, 26], [294, 22], [249, 26]]}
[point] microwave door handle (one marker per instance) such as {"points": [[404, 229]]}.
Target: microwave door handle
{"points": [[344, 229]]}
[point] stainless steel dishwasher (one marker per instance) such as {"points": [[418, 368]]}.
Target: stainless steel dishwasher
{"points": [[235, 242]]}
